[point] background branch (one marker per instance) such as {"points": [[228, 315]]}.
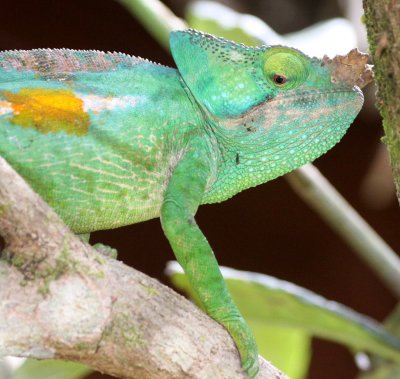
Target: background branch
{"points": [[322, 196], [61, 299]]}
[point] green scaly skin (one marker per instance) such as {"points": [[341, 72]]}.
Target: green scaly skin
{"points": [[109, 140]]}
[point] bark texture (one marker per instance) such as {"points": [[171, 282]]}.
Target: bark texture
{"points": [[59, 298], [382, 18]]}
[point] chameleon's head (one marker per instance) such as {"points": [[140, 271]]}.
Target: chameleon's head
{"points": [[272, 104]]}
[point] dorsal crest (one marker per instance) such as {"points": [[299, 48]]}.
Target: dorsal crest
{"points": [[53, 63]]}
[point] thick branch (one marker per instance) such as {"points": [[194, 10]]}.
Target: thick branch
{"points": [[383, 27], [60, 299]]}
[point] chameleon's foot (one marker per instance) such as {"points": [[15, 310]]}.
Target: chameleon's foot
{"points": [[245, 343], [252, 370], [106, 250]]}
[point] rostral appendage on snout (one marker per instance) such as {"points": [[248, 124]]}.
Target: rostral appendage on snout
{"points": [[350, 69]]}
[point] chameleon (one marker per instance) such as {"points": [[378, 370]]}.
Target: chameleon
{"points": [[109, 139]]}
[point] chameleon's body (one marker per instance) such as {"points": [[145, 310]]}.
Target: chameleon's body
{"points": [[111, 140], [101, 172]]}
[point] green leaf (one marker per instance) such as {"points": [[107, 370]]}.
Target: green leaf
{"points": [[387, 371], [50, 369], [381, 368], [274, 302], [288, 349], [222, 21], [331, 37]]}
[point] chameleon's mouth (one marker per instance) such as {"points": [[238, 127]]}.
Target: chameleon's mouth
{"points": [[303, 115], [290, 95], [310, 109], [294, 129], [301, 128], [294, 110]]}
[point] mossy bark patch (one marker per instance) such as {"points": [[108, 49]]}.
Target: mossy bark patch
{"points": [[382, 19]]}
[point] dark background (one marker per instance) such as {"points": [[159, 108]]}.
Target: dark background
{"points": [[266, 229]]}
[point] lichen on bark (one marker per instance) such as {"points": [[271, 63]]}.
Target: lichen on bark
{"points": [[382, 19]]}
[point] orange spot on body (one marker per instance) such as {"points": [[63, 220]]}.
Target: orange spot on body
{"points": [[48, 110]]}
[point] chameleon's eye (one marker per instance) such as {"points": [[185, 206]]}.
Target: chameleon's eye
{"points": [[284, 67], [279, 79]]}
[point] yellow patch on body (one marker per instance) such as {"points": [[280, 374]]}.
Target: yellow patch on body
{"points": [[48, 110]]}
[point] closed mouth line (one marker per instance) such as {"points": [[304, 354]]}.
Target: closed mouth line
{"points": [[306, 94]]}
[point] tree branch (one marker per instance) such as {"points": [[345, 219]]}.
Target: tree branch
{"points": [[321, 196], [59, 298], [383, 27]]}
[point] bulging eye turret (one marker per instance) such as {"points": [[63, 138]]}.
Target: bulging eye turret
{"points": [[285, 68]]}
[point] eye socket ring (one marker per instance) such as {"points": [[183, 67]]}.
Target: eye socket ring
{"points": [[279, 79]]}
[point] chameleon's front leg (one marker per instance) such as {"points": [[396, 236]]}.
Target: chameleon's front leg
{"points": [[182, 198]]}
